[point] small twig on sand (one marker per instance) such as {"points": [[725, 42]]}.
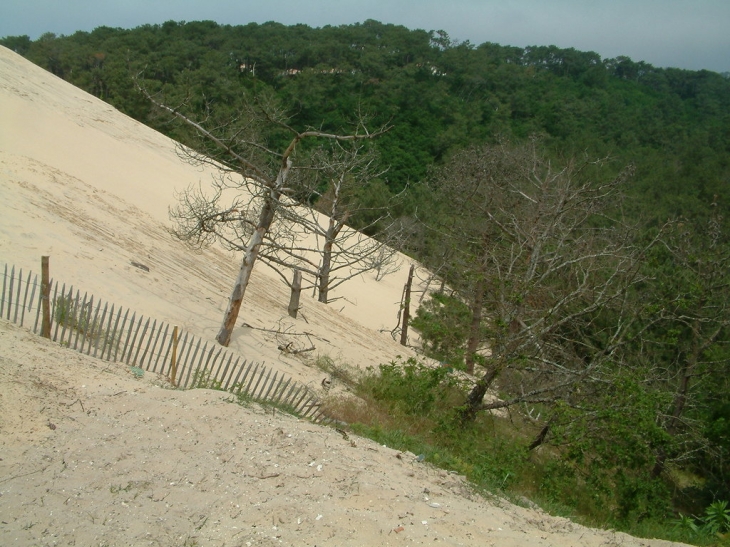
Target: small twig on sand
{"points": [[77, 401]]}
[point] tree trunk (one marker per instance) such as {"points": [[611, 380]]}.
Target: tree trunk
{"points": [[475, 328], [680, 401], [249, 258], [468, 412], [296, 291], [540, 438], [239, 288], [324, 271], [406, 309]]}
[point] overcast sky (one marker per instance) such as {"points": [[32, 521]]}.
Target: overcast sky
{"points": [[692, 34]]}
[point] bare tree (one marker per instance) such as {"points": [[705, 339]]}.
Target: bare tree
{"points": [[540, 263], [263, 173], [339, 252]]}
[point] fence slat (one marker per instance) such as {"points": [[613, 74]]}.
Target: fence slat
{"points": [[25, 299], [183, 362], [38, 310], [52, 307], [17, 296], [10, 292], [181, 346], [311, 406], [271, 385], [212, 376], [252, 392], [141, 340], [101, 332], [262, 387], [290, 400], [109, 335], [2, 296], [220, 365], [235, 365], [197, 369], [298, 404], [85, 333], [78, 320], [149, 341], [167, 352], [191, 363], [307, 407], [62, 314], [119, 333], [93, 332], [200, 373], [82, 327], [134, 339], [154, 347], [283, 389], [225, 371], [68, 315], [273, 395], [253, 375], [233, 371], [32, 293], [129, 335]]}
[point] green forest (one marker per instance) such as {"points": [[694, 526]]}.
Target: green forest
{"points": [[574, 209]]}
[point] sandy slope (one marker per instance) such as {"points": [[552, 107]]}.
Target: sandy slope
{"points": [[91, 188], [92, 456]]}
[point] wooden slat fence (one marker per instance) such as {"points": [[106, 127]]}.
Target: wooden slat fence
{"points": [[90, 326]]}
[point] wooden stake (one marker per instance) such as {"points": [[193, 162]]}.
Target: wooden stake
{"points": [[173, 369], [45, 298], [296, 291], [406, 309]]}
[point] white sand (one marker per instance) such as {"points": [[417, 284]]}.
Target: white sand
{"points": [[92, 456]]}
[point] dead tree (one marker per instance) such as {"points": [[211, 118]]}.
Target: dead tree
{"points": [[339, 252], [540, 261], [258, 182]]}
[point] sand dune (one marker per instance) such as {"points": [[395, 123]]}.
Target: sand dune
{"points": [[91, 455]]}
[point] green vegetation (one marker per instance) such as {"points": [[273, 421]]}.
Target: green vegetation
{"points": [[439, 95], [239, 395], [443, 322], [68, 313], [409, 405], [574, 209]]}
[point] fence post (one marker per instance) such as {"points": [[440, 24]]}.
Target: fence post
{"points": [[45, 298], [296, 290], [406, 309], [173, 366]]}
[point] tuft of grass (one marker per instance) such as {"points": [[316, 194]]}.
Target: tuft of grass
{"points": [[202, 380], [67, 313], [344, 374]]}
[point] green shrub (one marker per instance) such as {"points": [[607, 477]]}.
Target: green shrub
{"points": [[443, 322], [411, 386]]}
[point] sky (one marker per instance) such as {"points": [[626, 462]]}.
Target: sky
{"points": [[690, 34]]}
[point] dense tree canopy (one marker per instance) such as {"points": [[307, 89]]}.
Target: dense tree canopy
{"points": [[438, 94]]}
